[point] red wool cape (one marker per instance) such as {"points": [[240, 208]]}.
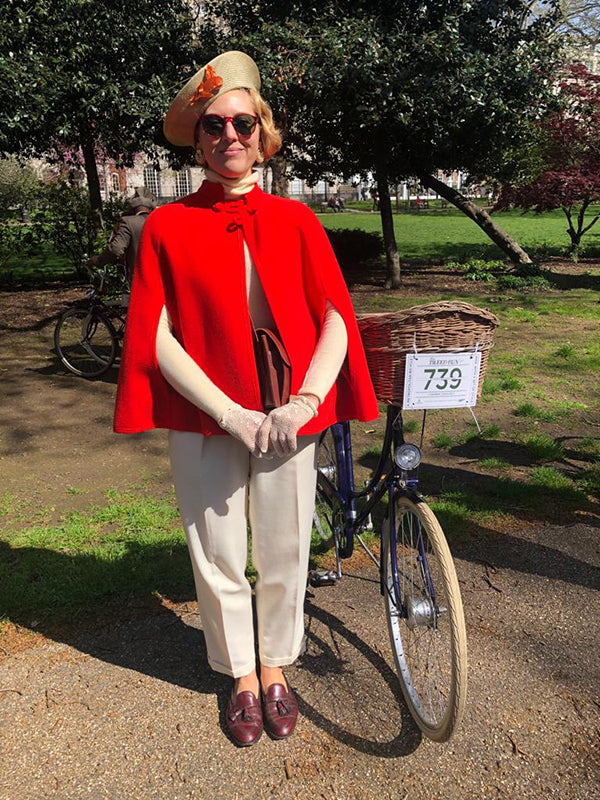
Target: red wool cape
{"points": [[191, 259]]}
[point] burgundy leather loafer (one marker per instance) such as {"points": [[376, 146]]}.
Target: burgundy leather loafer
{"points": [[280, 711], [244, 719]]}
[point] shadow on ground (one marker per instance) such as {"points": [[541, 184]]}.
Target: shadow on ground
{"points": [[161, 639]]}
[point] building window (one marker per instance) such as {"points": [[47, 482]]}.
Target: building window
{"points": [[152, 181], [183, 182], [115, 182]]}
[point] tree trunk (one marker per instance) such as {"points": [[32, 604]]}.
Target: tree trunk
{"points": [[504, 241], [392, 258], [280, 184], [574, 234], [91, 171]]}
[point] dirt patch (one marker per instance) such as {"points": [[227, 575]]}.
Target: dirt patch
{"points": [[57, 449]]}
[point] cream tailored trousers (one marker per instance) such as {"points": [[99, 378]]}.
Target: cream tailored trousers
{"points": [[221, 488]]}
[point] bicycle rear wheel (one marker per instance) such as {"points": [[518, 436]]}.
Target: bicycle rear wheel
{"points": [[329, 517], [327, 509], [427, 630], [86, 342]]}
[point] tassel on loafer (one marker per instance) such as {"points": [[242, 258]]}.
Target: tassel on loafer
{"points": [[280, 711], [244, 719]]}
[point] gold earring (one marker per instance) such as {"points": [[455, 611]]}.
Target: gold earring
{"points": [[200, 159]]}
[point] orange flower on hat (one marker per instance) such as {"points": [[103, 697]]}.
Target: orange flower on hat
{"points": [[208, 88]]}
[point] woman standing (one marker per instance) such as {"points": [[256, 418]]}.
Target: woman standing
{"points": [[212, 268]]}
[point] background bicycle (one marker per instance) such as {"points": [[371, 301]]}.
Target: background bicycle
{"points": [[416, 573], [88, 336]]}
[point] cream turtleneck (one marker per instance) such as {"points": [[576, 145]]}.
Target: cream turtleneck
{"points": [[233, 187], [186, 377]]}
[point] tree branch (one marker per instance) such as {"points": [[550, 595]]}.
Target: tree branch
{"points": [[567, 211], [593, 222]]}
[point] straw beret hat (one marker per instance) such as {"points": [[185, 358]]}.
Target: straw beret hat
{"points": [[230, 70]]}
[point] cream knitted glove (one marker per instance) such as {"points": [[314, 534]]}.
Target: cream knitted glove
{"points": [[243, 423], [277, 434]]}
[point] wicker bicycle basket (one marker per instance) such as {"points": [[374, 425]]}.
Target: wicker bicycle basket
{"points": [[444, 327]]}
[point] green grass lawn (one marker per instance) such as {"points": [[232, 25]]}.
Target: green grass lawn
{"points": [[451, 235], [433, 236], [40, 267]]}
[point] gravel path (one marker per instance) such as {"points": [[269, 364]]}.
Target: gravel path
{"points": [[130, 710]]}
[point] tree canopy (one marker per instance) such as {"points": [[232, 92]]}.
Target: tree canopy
{"points": [[94, 75], [398, 87], [18, 185], [569, 154], [423, 85]]}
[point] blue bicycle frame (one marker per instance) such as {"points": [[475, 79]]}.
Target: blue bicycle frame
{"points": [[388, 477]]}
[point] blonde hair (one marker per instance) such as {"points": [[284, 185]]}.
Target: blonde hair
{"points": [[270, 136]]}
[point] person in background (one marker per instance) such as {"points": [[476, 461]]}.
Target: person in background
{"points": [[335, 202], [123, 244]]}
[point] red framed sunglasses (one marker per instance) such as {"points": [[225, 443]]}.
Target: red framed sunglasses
{"points": [[244, 124]]}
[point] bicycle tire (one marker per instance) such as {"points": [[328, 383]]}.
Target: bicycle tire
{"points": [[428, 636], [85, 340], [327, 511]]}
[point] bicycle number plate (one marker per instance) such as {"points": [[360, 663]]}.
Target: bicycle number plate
{"points": [[441, 380]]}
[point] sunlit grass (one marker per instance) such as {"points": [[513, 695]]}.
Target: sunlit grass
{"points": [[490, 431], [7, 503], [455, 237], [542, 447], [565, 351], [531, 411], [132, 545], [443, 440], [411, 425], [495, 464]]}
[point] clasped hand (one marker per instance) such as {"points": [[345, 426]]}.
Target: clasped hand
{"points": [[269, 435], [277, 434]]}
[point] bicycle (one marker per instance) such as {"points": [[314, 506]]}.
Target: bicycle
{"points": [[417, 577], [88, 336]]}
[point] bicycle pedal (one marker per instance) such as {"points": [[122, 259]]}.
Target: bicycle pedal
{"points": [[322, 577]]}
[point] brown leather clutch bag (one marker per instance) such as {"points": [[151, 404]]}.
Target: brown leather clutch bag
{"points": [[273, 367]]}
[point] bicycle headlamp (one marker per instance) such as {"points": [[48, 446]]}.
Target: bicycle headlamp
{"points": [[407, 456]]}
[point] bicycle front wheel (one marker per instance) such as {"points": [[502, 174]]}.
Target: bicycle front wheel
{"points": [[86, 342], [427, 626]]}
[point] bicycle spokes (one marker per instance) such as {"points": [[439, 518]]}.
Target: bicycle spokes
{"points": [[85, 341], [424, 617]]}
